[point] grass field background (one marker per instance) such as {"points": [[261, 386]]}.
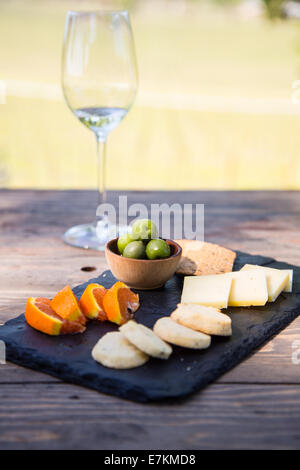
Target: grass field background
{"points": [[213, 110]]}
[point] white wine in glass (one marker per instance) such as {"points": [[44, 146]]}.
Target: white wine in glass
{"points": [[99, 81]]}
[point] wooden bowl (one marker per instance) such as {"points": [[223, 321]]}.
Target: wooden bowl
{"points": [[144, 274]]}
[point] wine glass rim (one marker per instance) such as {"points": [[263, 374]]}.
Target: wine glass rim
{"points": [[97, 12]]}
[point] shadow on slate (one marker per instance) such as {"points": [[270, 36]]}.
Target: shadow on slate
{"points": [[69, 357]]}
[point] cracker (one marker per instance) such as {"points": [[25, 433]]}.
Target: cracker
{"points": [[204, 258]]}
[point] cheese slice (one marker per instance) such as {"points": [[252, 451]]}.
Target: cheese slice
{"points": [[277, 279], [247, 288], [211, 290], [275, 275]]}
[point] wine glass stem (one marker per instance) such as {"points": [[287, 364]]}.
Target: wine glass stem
{"points": [[101, 156]]}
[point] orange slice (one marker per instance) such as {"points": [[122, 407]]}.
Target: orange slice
{"points": [[66, 305], [91, 302], [120, 303], [39, 315]]}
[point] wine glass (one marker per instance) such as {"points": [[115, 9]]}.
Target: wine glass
{"points": [[99, 81]]}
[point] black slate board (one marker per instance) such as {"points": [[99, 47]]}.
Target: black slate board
{"points": [[69, 357]]}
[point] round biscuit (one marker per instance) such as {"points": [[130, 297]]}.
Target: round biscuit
{"points": [[146, 340], [174, 333], [115, 351], [208, 320]]}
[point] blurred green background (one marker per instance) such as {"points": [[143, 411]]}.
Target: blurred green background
{"points": [[214, 108]]}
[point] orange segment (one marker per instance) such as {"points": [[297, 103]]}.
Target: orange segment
{"points": [[39, 315], [91, 302], [120, 303], [66, 305]]}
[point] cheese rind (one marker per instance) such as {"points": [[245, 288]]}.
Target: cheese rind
{"points": [[211, 290], [247, 288], [288, 287], [277, 279]]}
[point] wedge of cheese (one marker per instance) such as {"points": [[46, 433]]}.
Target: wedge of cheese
{"points": [[211, 290], [247, 288], [275, 278]]}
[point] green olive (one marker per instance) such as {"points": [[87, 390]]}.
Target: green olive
{"points": [[135, 250], [157, 248], [123, 242], [144, 229]]}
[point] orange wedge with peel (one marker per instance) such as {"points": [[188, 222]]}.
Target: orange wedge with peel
{"points": [[40, 316], [66, 305], [91, 302], [120, 303]]}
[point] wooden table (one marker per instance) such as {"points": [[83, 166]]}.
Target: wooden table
{"points": [[256, 405]]}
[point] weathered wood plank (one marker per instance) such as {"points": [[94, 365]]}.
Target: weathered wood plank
{"points": [[11, 373], [259, 221], [59, 416]]}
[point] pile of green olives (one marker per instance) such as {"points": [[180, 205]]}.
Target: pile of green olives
{"points": [[143, 242]]}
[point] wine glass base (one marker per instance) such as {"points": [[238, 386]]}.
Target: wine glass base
{"points": [[91, 236]]}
